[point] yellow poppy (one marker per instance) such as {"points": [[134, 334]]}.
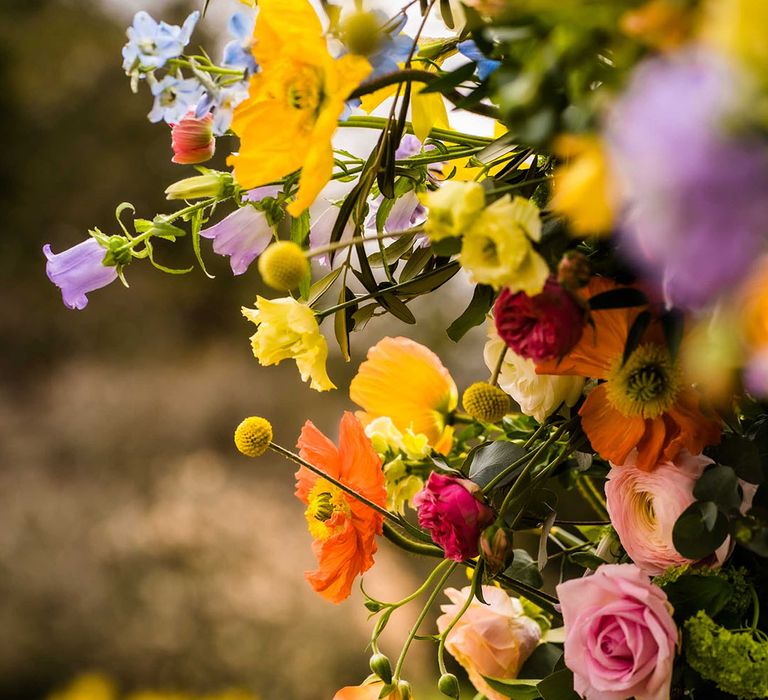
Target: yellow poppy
{"points": [[294, 101]]}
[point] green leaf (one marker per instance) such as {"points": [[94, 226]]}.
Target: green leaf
{"points": [[392, 253], [474, 314], [319, 288], [700, 530], [448, 81], [416, 263], [517, 689], [446, 13], [586, 559], [720, 485], [429, 281], [620, 298], [672, 323], [396, 307], [558, 686], [341, 322], [363, 315], [491, 458], [636, 333], [300, 227], [541, 663], [740, 453], [446, 247], [196, 223], [524, 569], [691, 593], [498, 148]]}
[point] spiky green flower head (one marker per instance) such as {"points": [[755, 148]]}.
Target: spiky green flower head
{"points": [[253, 435], [283, 265], [736, 662], [485, 402]]}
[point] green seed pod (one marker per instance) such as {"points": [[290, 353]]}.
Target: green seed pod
{"points": [[449, 685]]}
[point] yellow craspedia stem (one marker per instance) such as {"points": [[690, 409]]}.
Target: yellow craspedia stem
{"points": [[253, 435], [485, 402], [283, 265]]}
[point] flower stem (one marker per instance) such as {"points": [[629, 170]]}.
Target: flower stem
{"points": [[409, 545], [449, 135], [494, 380], [473, 586], [323, 249]]}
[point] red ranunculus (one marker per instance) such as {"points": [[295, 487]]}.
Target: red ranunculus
{"points": [[192, 140], [542, 327]]}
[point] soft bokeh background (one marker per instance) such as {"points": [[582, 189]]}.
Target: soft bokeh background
{"points": [[134, 540]]}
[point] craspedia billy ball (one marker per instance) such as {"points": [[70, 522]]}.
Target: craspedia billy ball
{"points": [[253, 435], [283, 265], [485, 402]]}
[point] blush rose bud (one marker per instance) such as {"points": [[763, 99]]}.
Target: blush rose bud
{"points": [[451, 510], [496, 548], [542, 327]]}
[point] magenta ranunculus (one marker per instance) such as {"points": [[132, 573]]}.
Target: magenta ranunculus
{"points": [[620, 637], [454, 516], [542, 327]]}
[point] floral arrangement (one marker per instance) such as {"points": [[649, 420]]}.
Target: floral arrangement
{"points": [[607, 202]]}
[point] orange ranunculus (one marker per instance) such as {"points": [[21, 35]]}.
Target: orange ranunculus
{"points": [[369, 691], [406, 382], [344, 529], [642, 403]]}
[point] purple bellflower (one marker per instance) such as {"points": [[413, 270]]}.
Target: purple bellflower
{"points": [[79, 270]]}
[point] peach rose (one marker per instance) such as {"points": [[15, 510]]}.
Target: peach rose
{"points": [[491, 640], [620, 637]]}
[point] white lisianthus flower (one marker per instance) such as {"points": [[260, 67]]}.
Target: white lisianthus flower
{"points": [[538, 395]]}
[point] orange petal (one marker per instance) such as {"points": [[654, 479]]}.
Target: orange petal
{"points": [[691, 429], [407, 382], [651, 447], [370, 691], [339, 561], [319, 451], [613, 435]]}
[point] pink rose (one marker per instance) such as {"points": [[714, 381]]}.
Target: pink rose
{"points": [[453, 515], [644, 507], [491, 640], [620, 638], [192, 140], [542, 327]]}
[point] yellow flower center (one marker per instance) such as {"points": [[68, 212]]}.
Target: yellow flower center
{"points": [[490, 252], [645, 510], [323, 502], [305, 89], [646, 384]]}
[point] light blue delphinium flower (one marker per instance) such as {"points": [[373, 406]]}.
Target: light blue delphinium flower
{"points": [[151, 44], [237, 53], [221, 103], [174, 98], [485, 66]]}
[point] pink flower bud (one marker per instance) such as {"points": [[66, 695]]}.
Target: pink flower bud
{"points": [[542, 327], [192, 140], [454, 516]]}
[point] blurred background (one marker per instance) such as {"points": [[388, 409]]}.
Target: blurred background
{"points": [[134, 540]]}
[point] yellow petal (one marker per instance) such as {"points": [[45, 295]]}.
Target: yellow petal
{"points": [[427, 112]]}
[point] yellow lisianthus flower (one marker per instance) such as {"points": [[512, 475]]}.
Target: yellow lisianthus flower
{"points": [[287, 329], [737, 28], [497, 248], [294, 101], [451, 208]]}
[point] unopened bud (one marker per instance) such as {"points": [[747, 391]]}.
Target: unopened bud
{"points": [[381, 667], [496, 548], [212, 183], [283, 265], [449, 685], [361, 32], [485, 402], [373, 605], [404, 690], [574, 271], [253, 435], [192, 140], [118, 251]]}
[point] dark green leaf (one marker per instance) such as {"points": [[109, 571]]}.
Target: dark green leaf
{"points": [[523, 568], [618, 299], [691, 593], [586, 559], [720, 485], [446, 247], [430, 281], [515, 689], [474, 314], [740, 453], [672, 322], [700, 530], [447, 81], [196, 223], [416, 263], [322, 285], [541, 663], [446, 13], [558, 686], [498, 148], [545, 529], [342, 322], [300, 227], [491, 458], [392, 253], [396, 307]]}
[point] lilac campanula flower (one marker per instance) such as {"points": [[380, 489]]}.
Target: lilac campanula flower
{"points": [[244, 234], [79, 270], [151, 43], [174, 97], [237, 53], [693, 177], [409, 146], [485, 66]]}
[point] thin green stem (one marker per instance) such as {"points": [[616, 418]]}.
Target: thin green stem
{"points": [[517, 185], [399, 539], [497, 369], [587, 489], [323, 249], [207, 68], [439, 568], [444, 634], [422, 615]]}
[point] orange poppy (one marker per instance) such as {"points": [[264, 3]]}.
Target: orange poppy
{"points": [[406, 382], [642, 403], [344, 529]]}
